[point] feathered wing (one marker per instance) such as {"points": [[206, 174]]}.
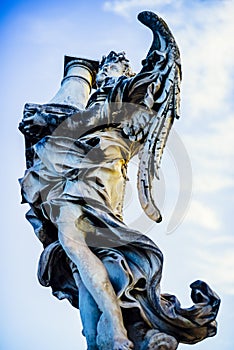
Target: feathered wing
{"points": [[162, 101]]}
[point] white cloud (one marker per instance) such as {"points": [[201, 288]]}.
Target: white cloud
{"points": [[207, 183], [122, 7], [207, 49], [212, 155], [202, 215], [217, 264]]}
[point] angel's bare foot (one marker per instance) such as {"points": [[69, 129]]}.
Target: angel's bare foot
{"points": [[156, 340], [112, 337], [122, 344]]}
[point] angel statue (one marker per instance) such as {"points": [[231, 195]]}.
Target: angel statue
{"points": [[77, 150]]}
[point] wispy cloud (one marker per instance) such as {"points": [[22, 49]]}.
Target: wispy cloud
{"points": [[217, 262], [208, 64], [201, 215], [212, 154], [122, 7]]}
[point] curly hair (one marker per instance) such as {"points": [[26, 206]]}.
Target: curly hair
{"points": [[117, 57]]}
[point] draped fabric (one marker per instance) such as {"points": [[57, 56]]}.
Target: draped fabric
{"points": [[90, 173], [80, 159]]}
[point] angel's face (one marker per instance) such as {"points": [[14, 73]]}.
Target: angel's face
{"points": [[109, 70]]}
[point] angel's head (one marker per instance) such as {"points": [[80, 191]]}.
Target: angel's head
{"points": [[113, 65]]}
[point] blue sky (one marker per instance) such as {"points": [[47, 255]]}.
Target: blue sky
{"points": [[34, 38]]}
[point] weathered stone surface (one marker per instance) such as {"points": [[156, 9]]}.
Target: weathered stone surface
{"points": [[77, 150]]}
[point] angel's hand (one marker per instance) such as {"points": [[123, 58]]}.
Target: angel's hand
{"points": [[32, 125], [137, 127]]}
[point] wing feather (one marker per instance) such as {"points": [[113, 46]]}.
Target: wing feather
{"points": [[163, 97]]}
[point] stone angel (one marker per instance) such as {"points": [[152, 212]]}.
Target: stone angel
{"points": [[77, 150]]}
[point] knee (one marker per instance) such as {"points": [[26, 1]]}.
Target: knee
{"points": [[71, 241]]}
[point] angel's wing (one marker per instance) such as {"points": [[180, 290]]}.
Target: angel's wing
{"points": [[162, 99]]}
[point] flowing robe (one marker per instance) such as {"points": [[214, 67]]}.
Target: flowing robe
{"points": [[87, 170]]}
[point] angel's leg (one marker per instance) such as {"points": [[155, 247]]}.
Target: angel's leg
{"points": [[89, 313], [93, 274]]}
